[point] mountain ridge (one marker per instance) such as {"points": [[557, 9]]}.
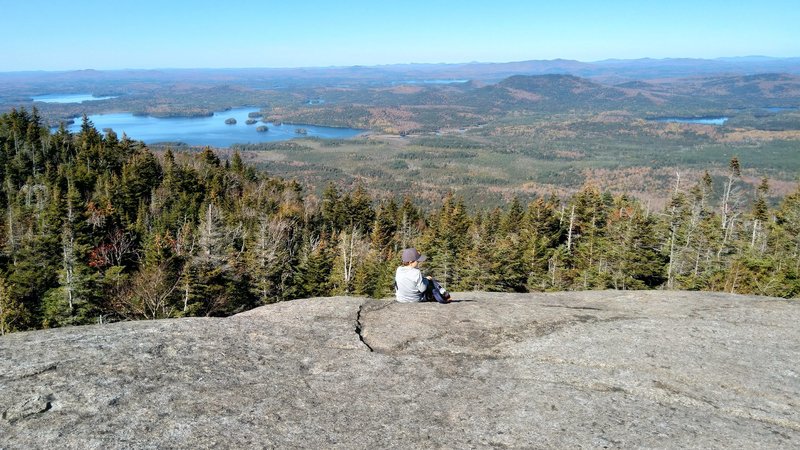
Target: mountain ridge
{"points": [[623, 69]]}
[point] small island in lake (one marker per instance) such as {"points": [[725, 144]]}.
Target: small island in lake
{"points": [[230, 121], [254, 115], [262, 128], [250, 121], [300, 131]]}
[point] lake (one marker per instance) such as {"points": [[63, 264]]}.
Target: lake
{"points": [[67, 98], [777, 109], [211, 131], [699, 120]]}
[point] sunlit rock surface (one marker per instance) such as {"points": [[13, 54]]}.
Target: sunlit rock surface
{"points": [[566, 370]]}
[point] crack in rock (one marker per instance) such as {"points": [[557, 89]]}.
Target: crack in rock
{"points": [[590, 308], [360, 328], [41, 370], [22, 373]]}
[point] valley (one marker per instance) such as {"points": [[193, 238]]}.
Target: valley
{"points": [[485, 132]]}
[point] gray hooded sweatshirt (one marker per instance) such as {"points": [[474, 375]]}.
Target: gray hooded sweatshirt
{"points": [[411, 284]]}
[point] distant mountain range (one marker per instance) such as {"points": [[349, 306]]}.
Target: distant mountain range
{"points": [[611, 71]]}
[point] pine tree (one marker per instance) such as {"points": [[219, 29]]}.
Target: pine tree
{"points": [[385, 228], [785, 244], [447, 242], [477, 275], [410, 223], [759, 221], [542, 235], [588, 231], [693, 238], [140, 175], [333, 214], [12, 313], [376, 275], [360, 213], [75, 300], [316, 264], [237, 166], [506, 265], [512, 221], [633, 257]]}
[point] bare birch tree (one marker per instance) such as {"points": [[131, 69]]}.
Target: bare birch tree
{"points": [[352, 249], [149, 294], [268, 254]]}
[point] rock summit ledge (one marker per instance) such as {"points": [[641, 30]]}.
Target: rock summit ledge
{"points": [[564, 370]]}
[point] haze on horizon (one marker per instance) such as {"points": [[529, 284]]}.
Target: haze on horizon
{"points": [[145, 34]]}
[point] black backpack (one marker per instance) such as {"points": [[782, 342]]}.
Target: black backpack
{"points": [[437, 293]]}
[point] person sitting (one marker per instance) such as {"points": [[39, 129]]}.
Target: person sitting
{"points": [[411, 286]]}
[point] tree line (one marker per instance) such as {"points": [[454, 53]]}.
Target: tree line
{"points": [[95, 227]]}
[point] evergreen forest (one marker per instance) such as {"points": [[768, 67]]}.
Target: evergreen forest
{"points": [[96, 227]]}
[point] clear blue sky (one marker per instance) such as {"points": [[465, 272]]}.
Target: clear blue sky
{"points": [[115, 34]]}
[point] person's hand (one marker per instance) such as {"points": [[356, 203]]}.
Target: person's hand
{"points": [[429, 277]]}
